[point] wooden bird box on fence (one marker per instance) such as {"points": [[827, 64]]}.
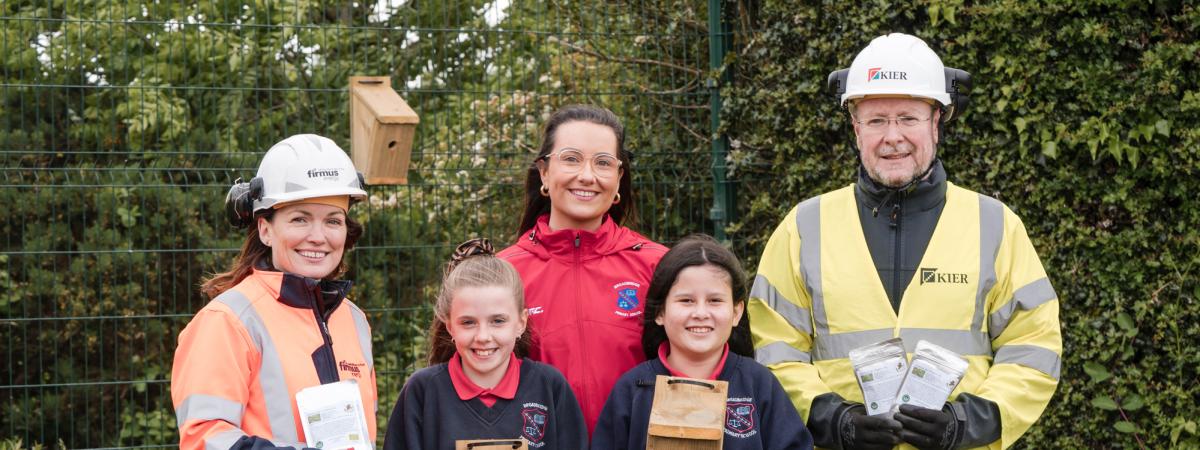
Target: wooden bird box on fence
{"points": [[492, 444], [687, 414], [381, 130]]}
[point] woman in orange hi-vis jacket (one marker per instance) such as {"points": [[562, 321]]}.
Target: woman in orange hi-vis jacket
{"points": [[279, 320]]}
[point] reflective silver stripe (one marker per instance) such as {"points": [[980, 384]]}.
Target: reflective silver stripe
{"points": [[1026, 298], [808, 224], [780, 352], [223, 440], [364, 334], [208, 407], [270, 374], [991, 231], [963, 342], [795, 316], [1031, 356], [838, 346]]}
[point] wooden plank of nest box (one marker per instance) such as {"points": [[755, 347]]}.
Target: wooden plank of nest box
{"points": [[377, 95]]}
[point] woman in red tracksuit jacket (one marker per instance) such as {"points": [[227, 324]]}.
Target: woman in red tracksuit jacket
{"points": [[585, 273]]}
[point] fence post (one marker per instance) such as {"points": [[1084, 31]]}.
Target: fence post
{"points": [[723, 206]]}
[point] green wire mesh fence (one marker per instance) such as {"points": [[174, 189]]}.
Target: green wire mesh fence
{"points": [[122, 124]]}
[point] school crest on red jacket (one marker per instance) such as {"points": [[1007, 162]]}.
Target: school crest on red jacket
{"points": [[627, 299]]}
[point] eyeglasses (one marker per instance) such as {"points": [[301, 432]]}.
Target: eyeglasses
{"points": [[571, 160], [881, 123]]}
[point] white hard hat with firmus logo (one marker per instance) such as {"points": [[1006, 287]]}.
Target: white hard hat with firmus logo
{"points": [[306, 166], [897, 65]]}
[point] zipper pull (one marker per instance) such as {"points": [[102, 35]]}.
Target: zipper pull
{"points": [[895, 213], [576, 241]]}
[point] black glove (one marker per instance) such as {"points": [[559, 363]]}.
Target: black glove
{"points": [[860, 431], [928, 429], [257, 443]]}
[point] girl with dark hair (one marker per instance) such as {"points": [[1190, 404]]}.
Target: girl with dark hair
{"points": [[585, 271], [696, 326], [279, 320], [478, 386]]}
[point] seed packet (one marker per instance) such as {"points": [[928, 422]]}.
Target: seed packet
{"points": [[880, 369], [932, 376]]}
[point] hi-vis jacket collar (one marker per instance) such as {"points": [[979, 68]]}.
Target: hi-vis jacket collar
{"points": [[926, 195], [301, 292]]}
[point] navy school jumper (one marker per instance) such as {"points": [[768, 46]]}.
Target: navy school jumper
{"points": [[758, 413], [430, 416]]}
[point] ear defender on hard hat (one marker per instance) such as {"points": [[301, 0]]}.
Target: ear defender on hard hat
{"points": [[958, 82], [239, 202]]}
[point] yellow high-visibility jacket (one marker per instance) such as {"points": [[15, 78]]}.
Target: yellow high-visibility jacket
{"points": [[981, 291]]}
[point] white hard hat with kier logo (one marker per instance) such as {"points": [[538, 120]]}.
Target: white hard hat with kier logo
{"points": [[300, 167], [902, 65]]}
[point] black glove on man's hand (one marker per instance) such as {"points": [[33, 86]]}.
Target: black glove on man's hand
{"points": [[928, 429], [860, 431]]}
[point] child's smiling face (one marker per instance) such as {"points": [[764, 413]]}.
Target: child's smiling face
{"points": [[485, 324], [699, 313]]}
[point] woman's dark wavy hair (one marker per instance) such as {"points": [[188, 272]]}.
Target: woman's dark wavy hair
{"points": [[474, 264], [623, 213], [695, 250]]}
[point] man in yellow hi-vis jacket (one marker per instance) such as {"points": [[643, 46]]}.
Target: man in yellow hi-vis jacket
{"points": [[904, 253]]}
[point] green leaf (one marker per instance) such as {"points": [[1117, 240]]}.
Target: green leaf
{"points": [[1125, 427], [1125, 321], [1050, 149], [1104, 402], [1163, 126], [1096, 371], [1133, 402]]}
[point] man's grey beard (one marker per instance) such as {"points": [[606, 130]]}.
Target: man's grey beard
{"points": [[916, 176]]}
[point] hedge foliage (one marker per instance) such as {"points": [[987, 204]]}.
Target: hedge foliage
{"points": [[1085, 119], [123, 123]]}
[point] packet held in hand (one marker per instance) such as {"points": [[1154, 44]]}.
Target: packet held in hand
{"points": [[932, 376], [880, 369], [332, 416]]}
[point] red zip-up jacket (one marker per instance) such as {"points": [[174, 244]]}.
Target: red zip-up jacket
{"points": [[584, 292]]}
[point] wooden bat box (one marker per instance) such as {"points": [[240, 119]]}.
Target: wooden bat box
{"points": [[381, 130], [687, 414]]}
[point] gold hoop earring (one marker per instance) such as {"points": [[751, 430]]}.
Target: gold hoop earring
{"points": [[545, 191], [618, 199]]}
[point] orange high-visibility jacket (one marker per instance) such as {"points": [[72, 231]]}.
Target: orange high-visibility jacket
{"points": [[245, 355]]}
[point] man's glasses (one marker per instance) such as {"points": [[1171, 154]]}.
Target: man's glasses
{"points": [[881, 123], [571, 160]]}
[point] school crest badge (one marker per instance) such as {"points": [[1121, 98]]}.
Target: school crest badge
{"points": [[739, 418], [627, 299], [534, 429]]}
